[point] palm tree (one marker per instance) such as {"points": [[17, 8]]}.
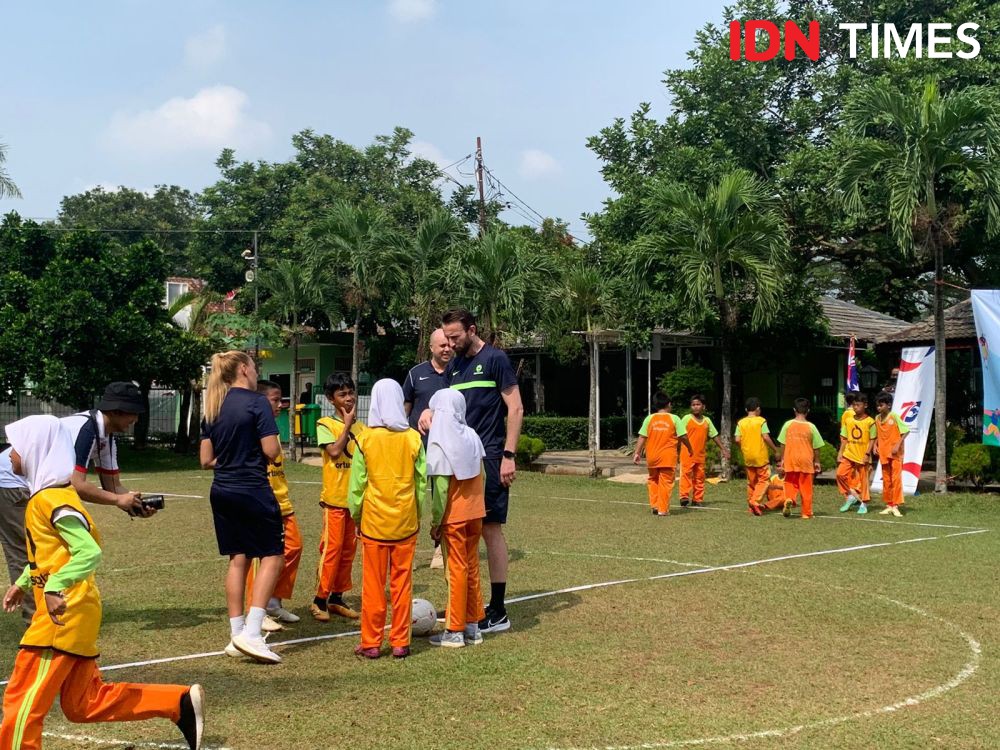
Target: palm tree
{"points": [[7, 187], [727, 248], [356, 249], [201, 306], [909, 143]]}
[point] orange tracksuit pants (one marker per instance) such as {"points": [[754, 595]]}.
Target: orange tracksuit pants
{"points": [[337, 547], [461, 549], [380, 559], [758, 479], [892, 482], [800, 483], [852, 478], [660, 486], [42, 675], [293, 556], [693, 480]]}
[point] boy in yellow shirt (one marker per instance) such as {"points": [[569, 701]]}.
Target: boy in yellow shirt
{"points": [[337, 437], [752, 435], [857, 436]]}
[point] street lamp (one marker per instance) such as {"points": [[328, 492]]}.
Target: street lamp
{"points": [[250, 255], [868, 375]]}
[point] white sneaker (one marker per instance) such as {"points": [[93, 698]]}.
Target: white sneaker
{"points": [[472, 635], [255, 648], [895, 512], [232, 651], [280, 614], [887, 511], [437, 561], [270, 625]]}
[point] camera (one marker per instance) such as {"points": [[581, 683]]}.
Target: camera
{"points": [[152, 502]]}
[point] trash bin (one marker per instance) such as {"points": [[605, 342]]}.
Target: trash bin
{"points": [[282, 420], [310, 415]]}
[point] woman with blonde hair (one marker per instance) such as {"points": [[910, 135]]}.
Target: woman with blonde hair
{"points": [[238, 438]]}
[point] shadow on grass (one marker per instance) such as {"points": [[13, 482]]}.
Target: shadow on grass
{"points": [[164, 618]]}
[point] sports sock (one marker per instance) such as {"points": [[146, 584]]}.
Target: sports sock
{"points": [[336, 598], [254, 619], [320, 602], [273, 603], [497, 592], [236, 624]]}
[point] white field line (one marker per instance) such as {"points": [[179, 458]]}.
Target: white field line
{"points": [[617, 557], [203, 561], [852, 517], [123, 743], [302, 481]]}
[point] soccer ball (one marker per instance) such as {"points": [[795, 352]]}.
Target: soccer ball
{"points": [[422, 617]]}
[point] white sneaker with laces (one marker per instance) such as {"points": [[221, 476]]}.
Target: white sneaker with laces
{"points": [[255, 648], [270, 625], [448, 639], [232, 651], [280, 614]]}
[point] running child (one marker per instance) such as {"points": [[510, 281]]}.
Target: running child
{"points": [[798, 455], [388, 485], [458, 505], [337, 437], [891, 433], [699, 430], [857, 436], [752, 435], [58, 653], [659, 436]]}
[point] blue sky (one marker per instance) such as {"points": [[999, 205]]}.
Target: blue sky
{"points": [[139, 93]]}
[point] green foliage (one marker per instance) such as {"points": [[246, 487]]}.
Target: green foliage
{"points": [[7, 187], [570, 433], [528, 449], [970, 462], [684, 382], [828, 457]]}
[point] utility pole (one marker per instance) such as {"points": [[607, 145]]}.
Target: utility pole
{"points": [[479, 180], [251, 257]]}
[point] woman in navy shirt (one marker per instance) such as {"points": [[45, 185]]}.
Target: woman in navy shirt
{"points": [[238, 439]]}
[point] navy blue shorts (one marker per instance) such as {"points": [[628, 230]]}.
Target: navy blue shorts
{"points": [[497, 496], [247, 521]]}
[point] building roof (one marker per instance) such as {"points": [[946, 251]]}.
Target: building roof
{"points": [[959, 323], [847, 319]]}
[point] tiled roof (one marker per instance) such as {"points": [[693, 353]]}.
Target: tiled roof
{"points": [[958, 324], [847, 319]]}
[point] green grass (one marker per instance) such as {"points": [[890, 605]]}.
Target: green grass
{"points": [[768, 647]]}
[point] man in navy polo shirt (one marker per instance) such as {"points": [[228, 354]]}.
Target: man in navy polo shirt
{"points": [[485, 377], [426, 379]]}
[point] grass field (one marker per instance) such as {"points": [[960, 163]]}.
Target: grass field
{"points": [[839, 632]]}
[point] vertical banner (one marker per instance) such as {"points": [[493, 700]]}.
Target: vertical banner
{"points": [[851, 380], [986, 309], [914, 403]]}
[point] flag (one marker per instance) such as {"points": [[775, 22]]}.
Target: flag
{"points": [[852, 370], [986, 310]]}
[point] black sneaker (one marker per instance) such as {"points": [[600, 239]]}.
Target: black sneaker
{"points": [[192, 720], [684, 502], [656, 512], [494, 622]]}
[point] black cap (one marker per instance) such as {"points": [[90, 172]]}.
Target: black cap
{"points": [[124, 397]]}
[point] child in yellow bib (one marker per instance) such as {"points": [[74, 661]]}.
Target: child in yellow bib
{"points": [[857, 442]]}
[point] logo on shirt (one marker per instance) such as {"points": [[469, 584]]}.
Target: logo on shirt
{"points": [[424, 378], [479, 370]]}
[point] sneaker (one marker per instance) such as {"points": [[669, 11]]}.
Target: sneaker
{"points": [[862, 509], [448, 639], [320, 615], [442, 613], [849, 503], [400, 652], [369, 653], [684, 502], [896, 512], [280, 614], [270, 625], [231, 650], [343, 611], [655, 512], [437, 561], [697, 503], [786, 510], [192, 719], [256, 648], [806, 518], [472, 635], [494, 622], [662, 514], [756, 510], [886, 512]]}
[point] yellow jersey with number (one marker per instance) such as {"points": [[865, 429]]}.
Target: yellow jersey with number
{"points": [[47, 554]]}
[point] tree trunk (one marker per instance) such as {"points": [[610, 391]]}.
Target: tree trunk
{"points": [[355, 347], [726, 417], [194, 425], [940, 368], [141, 431], [182, 440], [592, 425], [295, 386]]}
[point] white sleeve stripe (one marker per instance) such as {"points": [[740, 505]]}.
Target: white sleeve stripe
{"points": [[65, 512]]}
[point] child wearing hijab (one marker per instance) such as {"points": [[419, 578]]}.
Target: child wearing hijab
{"points": [[386, 495], [458, 506], [58, 654]]}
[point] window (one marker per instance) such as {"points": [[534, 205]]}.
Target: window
{"points": [[174, 290]]}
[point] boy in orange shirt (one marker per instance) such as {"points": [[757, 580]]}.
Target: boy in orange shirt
{"points": [[857, 435], [659, 436], [699, 430], [752, 435], [799, 457], [891, 432]]}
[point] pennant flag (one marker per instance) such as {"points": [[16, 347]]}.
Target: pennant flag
{"points": [[853, 384]]}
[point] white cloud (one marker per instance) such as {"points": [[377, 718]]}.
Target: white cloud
{"points": [[429, 151], [410, 11], [207, 48], [537, 165], [213, 118]]}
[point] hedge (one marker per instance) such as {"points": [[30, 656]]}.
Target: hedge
{"points": [[570, 433]]}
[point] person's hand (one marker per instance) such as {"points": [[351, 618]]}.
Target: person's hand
{"points": [[817, 468], [636, 459], [56, 605], [131, 503], [349, 416], [13, 598], [424, 423], [436, 533], [508, 469]]}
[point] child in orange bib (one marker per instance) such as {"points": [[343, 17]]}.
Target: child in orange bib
{"points": [[659, 437], [800, 442], [891, 432], [699, 430]]}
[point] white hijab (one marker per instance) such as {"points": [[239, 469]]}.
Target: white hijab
{"points": [[386, 408], [46, 451], [453, 448]]}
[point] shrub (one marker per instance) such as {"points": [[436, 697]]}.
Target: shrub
{"points": [[570, 433], [970, 462], [528, 449], [681, 384], [827, 457]]}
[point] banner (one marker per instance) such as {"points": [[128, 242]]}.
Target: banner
{"points": [[851, 381], [986, 309], [913, 401]]}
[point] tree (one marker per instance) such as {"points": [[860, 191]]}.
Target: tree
{"points": [[7, 187], [914, 143], [728, 248]]}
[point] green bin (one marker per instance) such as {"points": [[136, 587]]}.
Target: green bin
{"points": [[282, 420], [310, 415]]}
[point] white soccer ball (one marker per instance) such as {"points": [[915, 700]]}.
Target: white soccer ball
{"points": [[422, 617]]}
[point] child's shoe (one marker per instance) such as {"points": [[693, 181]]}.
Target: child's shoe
{"points": [[280, 614], [684, 502], [472, 635], [756, 509], [343, 610], [437, 560], [448, 639], [192, 718], [851, 502], [895, 511], [786, 509], [320, 615], [662, 514], [255, 648], [270, 625], [862, 509], [697, 504], [655, 511], [232, 651], [886, 512], [400, 652], [368, 653]]}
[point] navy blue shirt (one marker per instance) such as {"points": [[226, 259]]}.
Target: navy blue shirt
{"points": [[422, 382], [245, 418], [482, 379]]}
